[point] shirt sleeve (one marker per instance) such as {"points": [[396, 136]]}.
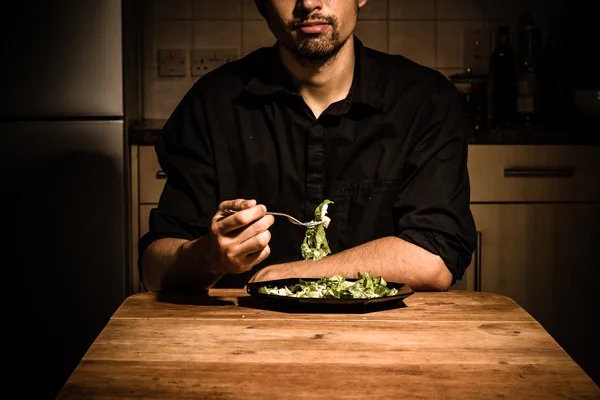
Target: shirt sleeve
{"points": [[188, 201], [434, 203]]}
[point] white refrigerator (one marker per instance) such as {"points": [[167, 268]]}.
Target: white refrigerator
{"points": [[64, 189]]}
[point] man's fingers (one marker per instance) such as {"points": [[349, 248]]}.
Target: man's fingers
{"points": [[255, 228], [250, 253], [237, 204], [240, 219], [242, 238], [257, 257], [254, 244]]}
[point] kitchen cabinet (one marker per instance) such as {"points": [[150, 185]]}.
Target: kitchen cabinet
{"points": [[145, 216], [534, 173], [537, 213], [148, 181], [543, 256]]}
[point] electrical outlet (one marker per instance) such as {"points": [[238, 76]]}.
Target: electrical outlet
{"points": [[171, 62], [206, 60], [477, 50]]}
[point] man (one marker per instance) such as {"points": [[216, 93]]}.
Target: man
{"points": [[317, 116]]}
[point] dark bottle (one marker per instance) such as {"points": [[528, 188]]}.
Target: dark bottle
{"points": [[552, 70], [527, 74], [503, 80]]}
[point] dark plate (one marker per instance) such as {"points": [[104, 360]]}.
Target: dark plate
{"points": [[252, 288]]}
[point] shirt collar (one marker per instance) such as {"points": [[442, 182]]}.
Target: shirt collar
{"points": [[270, 77]]}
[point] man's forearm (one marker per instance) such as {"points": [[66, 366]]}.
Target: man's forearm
{"points": [[395, 259], [178, 265]]}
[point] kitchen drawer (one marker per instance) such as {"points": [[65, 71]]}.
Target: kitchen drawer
{"points": [[534, 173], [152, 178], [144, 217]]}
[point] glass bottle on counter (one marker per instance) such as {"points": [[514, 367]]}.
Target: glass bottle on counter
{"points": [[503, 80], [527, 74], [552, 70]]}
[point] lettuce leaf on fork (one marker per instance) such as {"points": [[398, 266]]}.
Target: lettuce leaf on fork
{"points": [[315, 244]]}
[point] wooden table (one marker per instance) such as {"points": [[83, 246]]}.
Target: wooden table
{"points": [[452, 345]]}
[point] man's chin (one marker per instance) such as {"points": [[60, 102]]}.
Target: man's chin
{"points": [[313, 50], [316, 56]]}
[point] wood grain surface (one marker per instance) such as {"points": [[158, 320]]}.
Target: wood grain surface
{"points": [[451, 345]]}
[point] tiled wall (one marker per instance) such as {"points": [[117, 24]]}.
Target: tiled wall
{"points": [[426, 31]]}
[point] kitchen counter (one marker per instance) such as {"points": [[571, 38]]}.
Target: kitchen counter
{"points": [[573, 135], [147, 132]]}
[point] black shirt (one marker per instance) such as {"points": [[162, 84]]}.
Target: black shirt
{"points": [[392, 157]]}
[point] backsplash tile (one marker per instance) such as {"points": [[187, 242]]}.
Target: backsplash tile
{"points": [[218, 34], [249, 10], [161, 95], [412, 9], [373, 34], [171, 9], [374, 9], [427, 31], [221, 9], [414, 40], [459, 9], [256, 34], [165, 35], [450, 42], [501, 10]]}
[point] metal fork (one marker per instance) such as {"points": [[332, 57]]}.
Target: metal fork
{"points": [[289, 217]]}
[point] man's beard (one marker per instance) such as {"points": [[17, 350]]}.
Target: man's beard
{"points": [[314, 47]]}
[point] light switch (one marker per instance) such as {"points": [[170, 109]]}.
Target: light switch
{"points": [[206, 60], [476, 50], [171, 62]]}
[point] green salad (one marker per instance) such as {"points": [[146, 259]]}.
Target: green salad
{"points": [[336, 287], [315, 244]]}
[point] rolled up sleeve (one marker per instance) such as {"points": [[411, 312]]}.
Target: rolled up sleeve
{"points": [[434, 204]]}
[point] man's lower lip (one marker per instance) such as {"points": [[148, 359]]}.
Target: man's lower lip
{"points": [[314, 28]]}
